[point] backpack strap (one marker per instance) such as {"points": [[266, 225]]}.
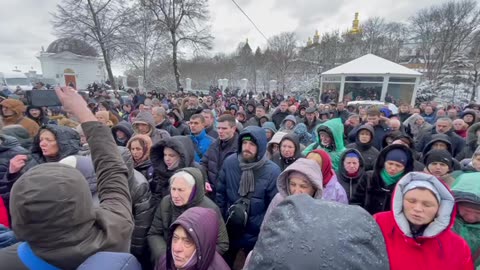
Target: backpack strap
{"points": [[32, 261]]}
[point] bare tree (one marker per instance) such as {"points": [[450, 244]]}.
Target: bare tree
{"points": [[443, 30], [144, 42], [281, 54], [97, 21], [185, 22]]}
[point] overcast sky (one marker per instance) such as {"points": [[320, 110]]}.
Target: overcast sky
{"points": [[25, 24]]}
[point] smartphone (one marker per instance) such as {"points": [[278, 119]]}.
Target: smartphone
{"points": [[43, 98]]}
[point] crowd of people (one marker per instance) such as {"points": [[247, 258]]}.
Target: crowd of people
{"points": [[220, 181]]}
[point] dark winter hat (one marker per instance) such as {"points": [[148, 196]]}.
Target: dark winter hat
{"points": [[439, 155], [310, 110], [352, 155], [397, 155]]}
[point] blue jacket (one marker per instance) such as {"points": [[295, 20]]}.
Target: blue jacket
{"points": [[201, 142], [265, 187], [111, 260]]}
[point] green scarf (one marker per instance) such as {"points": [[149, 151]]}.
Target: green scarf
{"points": [[390, 180]]}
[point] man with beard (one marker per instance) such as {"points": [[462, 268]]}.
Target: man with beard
{"points": [[249, 177]]}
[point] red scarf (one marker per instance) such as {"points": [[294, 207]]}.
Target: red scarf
{"points": [[327, 169]]}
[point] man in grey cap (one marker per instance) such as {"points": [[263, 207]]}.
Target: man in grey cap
{"points": [[311, 120]]}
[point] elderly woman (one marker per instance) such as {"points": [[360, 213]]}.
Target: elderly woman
{"points": [[192, 242], [186, 191], [417, 230]]}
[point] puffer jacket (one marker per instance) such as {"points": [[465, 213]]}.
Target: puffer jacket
{"points": [[68, 142], [334, 128], [282, 245], [18, 117], [367, 150], [428, 251], [283, 162], [202, 226], [9, 148], [111, 261], [183, 129], [166, 213], [155, 134], [458, 143], [55, 214], [20, 133], [467, 190], [372, 193], [126, 128], [264, 191], [142, 207], [350, 183], [184, 147], [213, 159], [472, 143], [307, 167]]}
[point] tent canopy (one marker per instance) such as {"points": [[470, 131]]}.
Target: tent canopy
{"points": [[370, 64]]}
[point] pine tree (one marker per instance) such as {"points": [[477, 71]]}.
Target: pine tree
{"points": [[455, 84]]}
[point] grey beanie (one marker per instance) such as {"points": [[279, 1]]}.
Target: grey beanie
{"points": [[422, 184]]}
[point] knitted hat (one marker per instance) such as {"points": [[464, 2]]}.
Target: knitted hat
{"points": [[422, 184], [397, 155], [352, 155], [310, 110], [439, 155]]}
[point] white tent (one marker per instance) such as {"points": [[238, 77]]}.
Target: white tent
{"points": [[372, 74]]}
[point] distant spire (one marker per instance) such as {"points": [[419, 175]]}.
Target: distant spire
{"points": [[316, 37], [355, 25]]}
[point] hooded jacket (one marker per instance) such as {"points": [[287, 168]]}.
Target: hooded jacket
{"points": [[265, 187], [472, 113], [438, 247], [305, 166], [277, 137], [283, 162], [9, 148], [213, 159], [367, 150], [467, 189], [472, 143], [305, 138], [350, 183], [166, 213], [182, 128], [41, 120], [350, 240], [445, 139], [68, 142], [202, 226], [18, 118], [54, 211], [283, 128], [20, 133], [142, 206], [380, 131], [457, 142], [126, 128], [334, 128], [184, 147], [372, 193], [155, 134]]}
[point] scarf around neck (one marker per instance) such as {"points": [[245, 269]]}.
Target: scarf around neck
{"points": [[390, 180], [247, 180]]}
